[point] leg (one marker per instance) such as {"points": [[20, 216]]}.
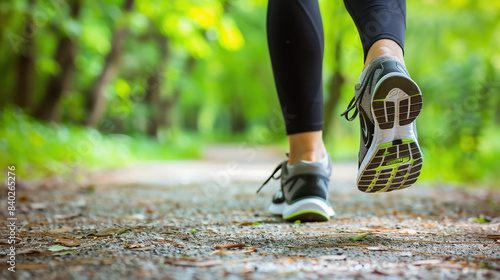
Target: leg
{"points": [[381, 25], [387, 99], [295, 38]]}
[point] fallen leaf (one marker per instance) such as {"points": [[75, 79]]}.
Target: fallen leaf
{"points": [[66, 216], [493, 236], [110, 232], [60, 230], [229, 246], [479, 220], [31, 265], [62, 253], [57, 247], [106, 251], [30, 251], [245, 223], [359, 237], [222, 252], [68, 242], [334, 257]]}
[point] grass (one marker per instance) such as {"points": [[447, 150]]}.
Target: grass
{"points": [[39, 150]]}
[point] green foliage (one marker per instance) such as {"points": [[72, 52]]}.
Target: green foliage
{"points": [[38, 150]]}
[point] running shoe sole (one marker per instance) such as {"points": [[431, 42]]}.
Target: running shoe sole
{"points": [[394, 159]]}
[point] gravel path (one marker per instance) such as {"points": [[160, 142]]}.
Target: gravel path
{"points": [[202, 220]]}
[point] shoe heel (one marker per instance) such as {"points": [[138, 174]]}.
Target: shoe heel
{"points": [[396, 92], [308, 210]]}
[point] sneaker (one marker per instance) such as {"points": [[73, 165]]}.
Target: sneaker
{"points": [[388, 102], [304, 191]]}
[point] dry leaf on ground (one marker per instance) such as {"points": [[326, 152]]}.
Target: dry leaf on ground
{"points": [[226, 246], [222, 252], [68, 242], [57, 247], [244, 223], [495, 236], [30, 251]]}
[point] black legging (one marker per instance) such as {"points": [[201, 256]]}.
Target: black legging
{"points": [[295, 39]]}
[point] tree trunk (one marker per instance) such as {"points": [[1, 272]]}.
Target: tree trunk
{"points": [[334, 91], [237, 120], [96, 103], [154, 86], [48, 109], [23, 89], [164, 107]]}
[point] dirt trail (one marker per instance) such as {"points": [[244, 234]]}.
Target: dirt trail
{"points": [[169, 220]]}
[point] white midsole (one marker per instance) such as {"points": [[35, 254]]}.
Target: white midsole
{"points": [[277, 208], [306, 204], [381, 136]]}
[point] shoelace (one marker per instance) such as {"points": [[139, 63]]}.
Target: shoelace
{"points": [[354, 104], [272, 175]]}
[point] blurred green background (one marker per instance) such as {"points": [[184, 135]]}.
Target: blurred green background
{"points": [[95, 84]]}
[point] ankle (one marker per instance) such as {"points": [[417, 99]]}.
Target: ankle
{"points": [[380, 51], [315, 155], [307, 146], [384, 47]]}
